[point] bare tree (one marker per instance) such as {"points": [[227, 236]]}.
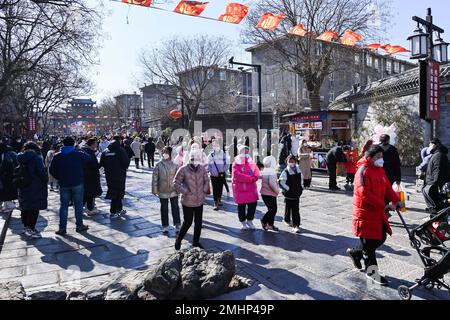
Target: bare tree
{"points": [[186, 63], [44, 46], [111, 113], [314, 60]]}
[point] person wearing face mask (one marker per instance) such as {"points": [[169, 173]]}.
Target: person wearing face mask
{"points": [[438, 174], [370, 222], [163, 187], [192, 182], [269, 192], [291, 183], [304, 156], [392, 164], [245, 191], [217, 167]]}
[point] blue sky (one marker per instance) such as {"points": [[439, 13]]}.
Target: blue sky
{"points": [[128, 29]]}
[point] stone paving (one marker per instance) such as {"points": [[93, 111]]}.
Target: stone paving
{"points": [[311, 265]]}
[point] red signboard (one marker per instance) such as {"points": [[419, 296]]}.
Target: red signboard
{"points": [[309, 117], [433, 89], [32, 124]]}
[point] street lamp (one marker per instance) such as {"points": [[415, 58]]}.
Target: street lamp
{"points": [[440, 49], [258, 69], [419, 44]]}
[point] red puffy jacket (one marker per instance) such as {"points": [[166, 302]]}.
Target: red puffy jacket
{"points": [[371, 188]]}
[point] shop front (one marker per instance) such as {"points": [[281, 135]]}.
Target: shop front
{"points": [[322, 130]]}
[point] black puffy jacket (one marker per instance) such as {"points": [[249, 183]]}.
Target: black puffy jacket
{"points": [[115, 161], [438, 172]]}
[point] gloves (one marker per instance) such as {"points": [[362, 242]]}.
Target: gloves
{"points": [[390, 207], [399, 205]]}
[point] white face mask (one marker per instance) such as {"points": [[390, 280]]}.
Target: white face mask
{"points": [[292, 165], [379, 163], [166, 156]]}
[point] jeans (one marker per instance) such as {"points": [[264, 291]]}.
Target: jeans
{"points": [[271, 204], [74, 194], [250, 211], [292, 210], [116, 205], [165, 211], [217, 187], [29, 218], [190, 214]]}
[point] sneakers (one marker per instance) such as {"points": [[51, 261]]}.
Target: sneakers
{"points": [[122, 212], [356, 256], [114, 215], [272, 228], [250, 225], [165, 230], [296, 230], [289, 224], [83, 228], [376, 278], [91, 213], [264, 226], [27, 232], [61, 232], [244, 226]]}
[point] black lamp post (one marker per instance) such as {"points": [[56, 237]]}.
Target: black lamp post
{"points": [[430, 52], [258, 69]]}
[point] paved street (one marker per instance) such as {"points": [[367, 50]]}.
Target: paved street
{"points": [[312, 265]]}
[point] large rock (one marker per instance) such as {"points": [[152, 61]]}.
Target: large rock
{"points": [[12, 290], [195, 274], [125, 286]]}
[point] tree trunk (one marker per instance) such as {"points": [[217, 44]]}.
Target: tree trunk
{"points": [[314, 100]]}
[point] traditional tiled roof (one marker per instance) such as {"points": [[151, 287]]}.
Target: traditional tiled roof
{"points": [[402, 84]]}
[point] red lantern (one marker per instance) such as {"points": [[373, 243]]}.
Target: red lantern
{"points": [[175, 115]]}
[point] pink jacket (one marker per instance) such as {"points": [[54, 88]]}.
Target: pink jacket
{"points": [[245, 176]]}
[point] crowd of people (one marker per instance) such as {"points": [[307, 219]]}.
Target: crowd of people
{"points": [[73, 167]]}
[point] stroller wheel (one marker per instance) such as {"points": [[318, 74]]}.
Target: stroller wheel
{"points": [[404, 293], [429, 286]]}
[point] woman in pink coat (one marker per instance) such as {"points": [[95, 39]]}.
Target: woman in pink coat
{"points": [[245, 191]]}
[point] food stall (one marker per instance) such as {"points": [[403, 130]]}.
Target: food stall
{"points": [[322, 130]]}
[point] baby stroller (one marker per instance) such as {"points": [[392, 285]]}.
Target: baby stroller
{"points": [[435, 255]]}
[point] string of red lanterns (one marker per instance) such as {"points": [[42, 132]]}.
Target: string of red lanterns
{"points": [[236, 12]]}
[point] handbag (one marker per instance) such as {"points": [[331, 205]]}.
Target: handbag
{"points": [[221, 174]]}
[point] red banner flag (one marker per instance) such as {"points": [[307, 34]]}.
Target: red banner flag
{"points": [[191, 8], [328, 36], [144, 3], [393, 49], [350, 38], [234, 13], [299, 30], [373, 47], [270, 21]]}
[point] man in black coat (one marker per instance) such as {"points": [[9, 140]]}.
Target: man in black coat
{"points": [[92, 186], [150, 151], [115, 161], [438, 174], [8, 192], [335, 155], [392, 164]]}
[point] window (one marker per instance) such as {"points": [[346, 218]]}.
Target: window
{"points": [[388, 66], [377, 64], [357, 59], [397, 67], [368, 60], [357, 78], [331, 79], [210, 73], [331, 96], [402, 68], [223, 75], [305, 94], [319, 49]]}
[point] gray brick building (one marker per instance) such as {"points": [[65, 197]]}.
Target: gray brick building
{"points": [[284, 89]]}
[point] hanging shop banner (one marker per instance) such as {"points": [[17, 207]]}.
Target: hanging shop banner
{"points": [[310, 117], [308, 126], [339, 124], [191, 8], [270, 21]]}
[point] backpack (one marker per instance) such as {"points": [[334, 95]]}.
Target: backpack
{"points": [[21, 176]]}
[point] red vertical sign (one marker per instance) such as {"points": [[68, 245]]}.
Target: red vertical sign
{"points": [[32, 124], [433, 90]]}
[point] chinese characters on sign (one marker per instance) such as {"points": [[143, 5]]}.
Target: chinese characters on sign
{"points": [[433, 90], [32, 124]]}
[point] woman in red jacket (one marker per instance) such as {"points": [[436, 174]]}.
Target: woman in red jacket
{"points": [[370, 222]]}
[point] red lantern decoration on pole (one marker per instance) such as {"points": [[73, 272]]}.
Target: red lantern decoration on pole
{"points": [[175, 115]]}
